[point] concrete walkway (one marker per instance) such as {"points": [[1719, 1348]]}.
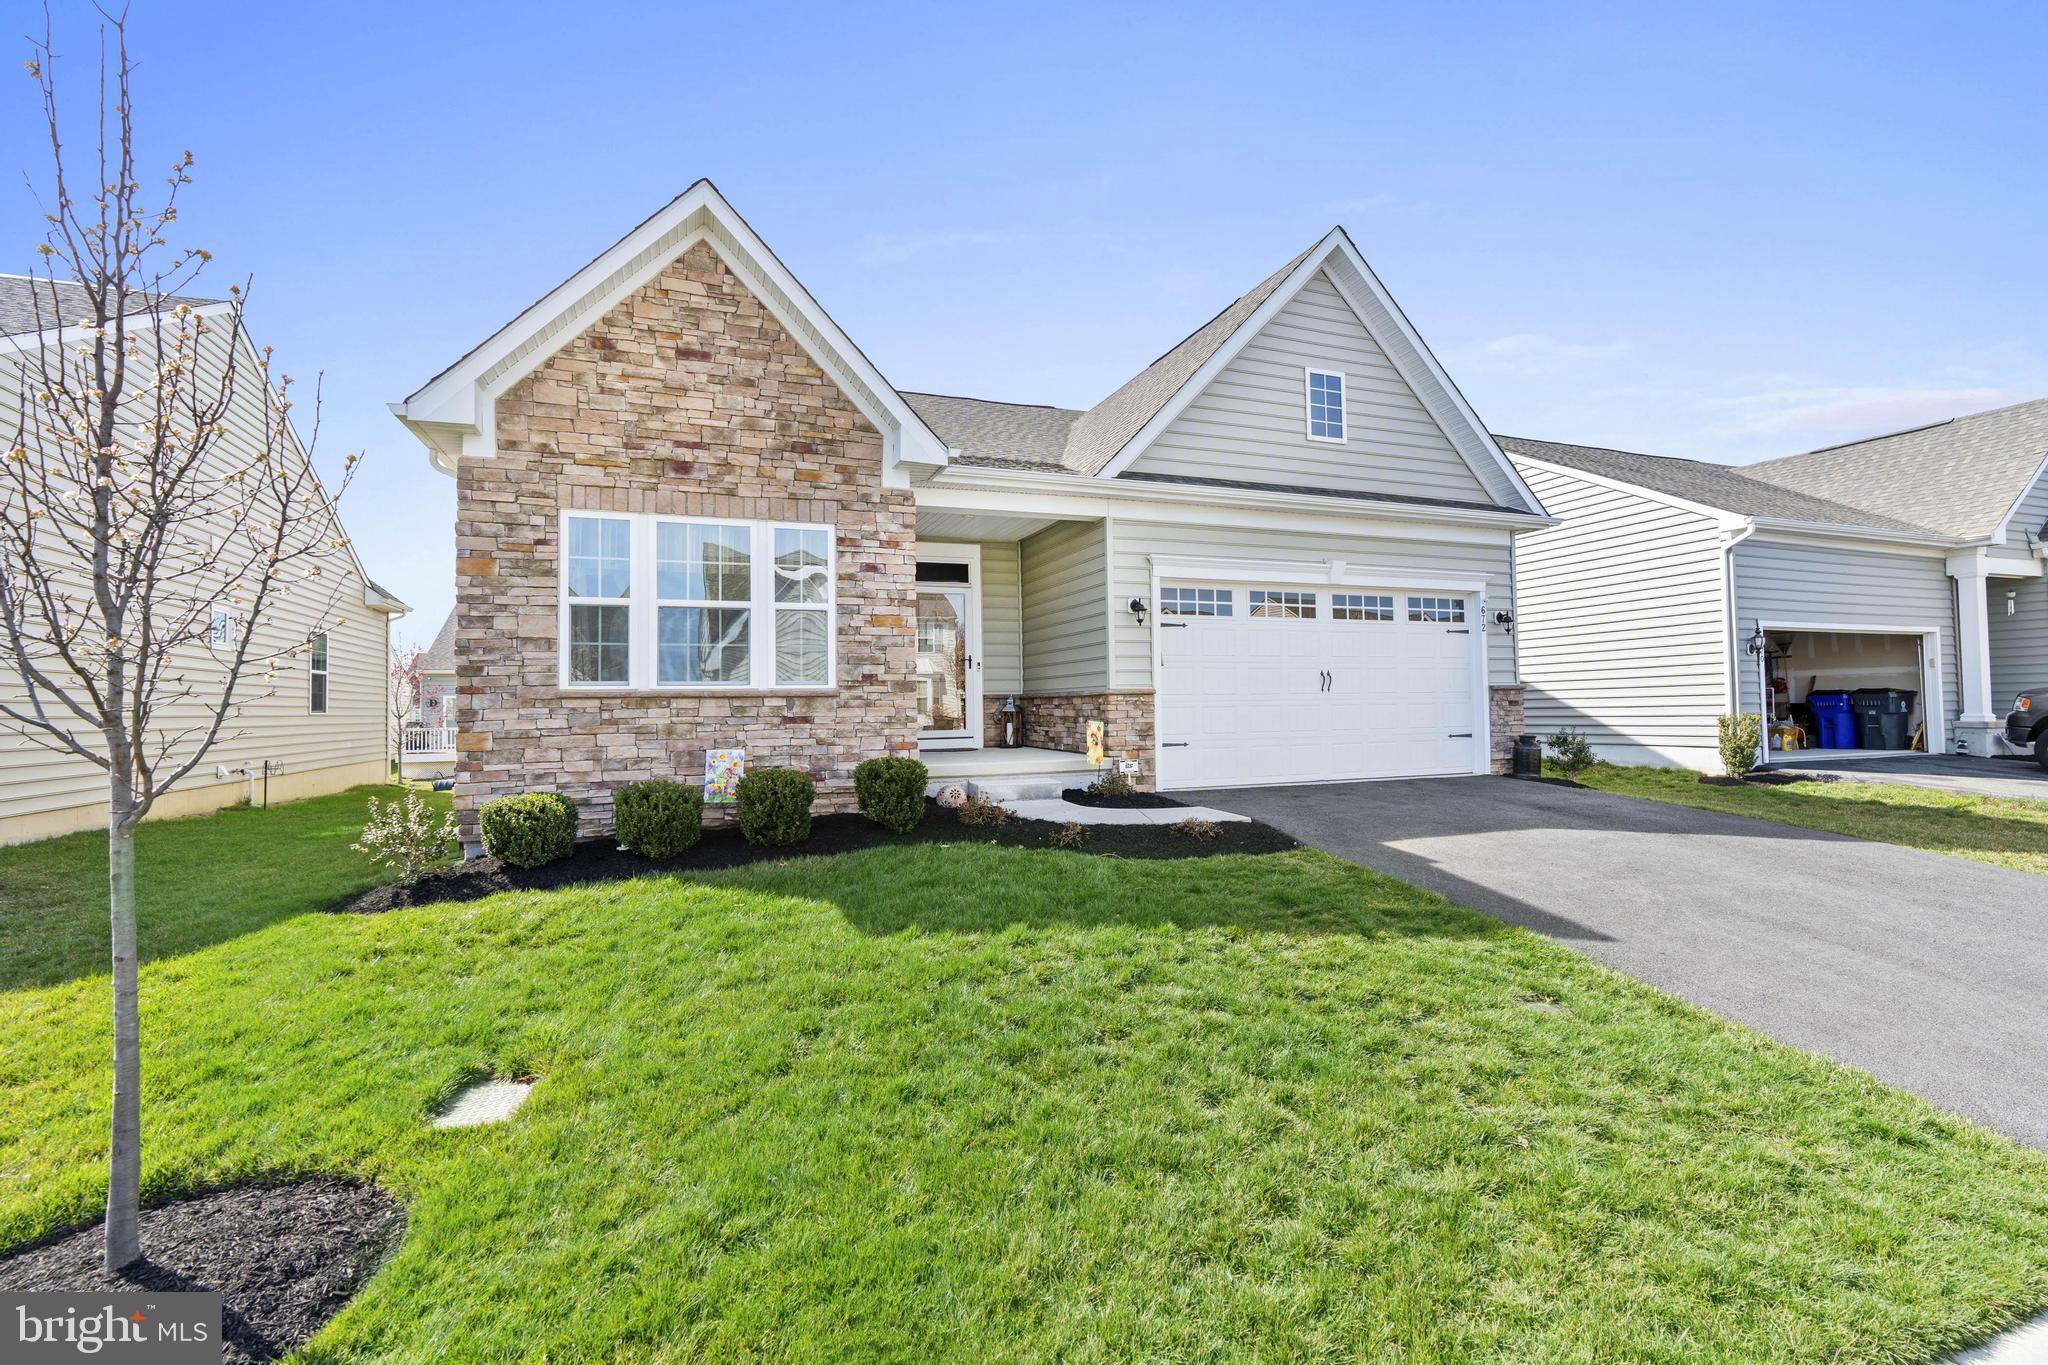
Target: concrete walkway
{"points": [[1062, 812], [1921, 969], [2018, 778]]}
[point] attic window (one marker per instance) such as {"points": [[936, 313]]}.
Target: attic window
{"points": [[1325, 405]]}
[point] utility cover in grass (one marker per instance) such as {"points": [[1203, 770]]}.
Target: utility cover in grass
{"points": [[484, 1102]]}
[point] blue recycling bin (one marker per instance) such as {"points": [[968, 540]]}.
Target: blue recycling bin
{"points": [[1835, 718]]}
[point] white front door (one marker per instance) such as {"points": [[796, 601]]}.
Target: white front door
{"points": [[1266, 685], [949, 649]]}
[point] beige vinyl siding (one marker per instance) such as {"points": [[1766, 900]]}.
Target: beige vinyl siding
{"points": [[1791, 584], [1001, 649], [1134, 543], [272, 721], [1622, 626], [1065, 610], [1250, 424]]}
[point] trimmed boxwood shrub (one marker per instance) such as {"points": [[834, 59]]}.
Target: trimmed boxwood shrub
{"points": [[775, 806], [891, 791], [529, 829], [658, 818]]}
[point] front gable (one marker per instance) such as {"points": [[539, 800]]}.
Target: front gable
{"points": [[1249, 423], [1241, 415]]}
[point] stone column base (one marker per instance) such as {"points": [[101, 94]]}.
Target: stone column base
{"points": [[1505, 720]]}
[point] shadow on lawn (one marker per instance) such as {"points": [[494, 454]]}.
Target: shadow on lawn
{"points": [[1297, 893], [199, 882]]}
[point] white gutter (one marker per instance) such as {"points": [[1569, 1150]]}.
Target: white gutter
{"points": [[1833, 531], [1080, 489]]}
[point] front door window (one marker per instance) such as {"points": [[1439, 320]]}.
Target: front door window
{"points": [[942, 654]]}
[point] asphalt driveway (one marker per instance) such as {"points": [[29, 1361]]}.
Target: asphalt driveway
{"points": [[1924, 970], [2016, 778]]}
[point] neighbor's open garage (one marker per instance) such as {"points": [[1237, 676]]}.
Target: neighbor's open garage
{"points": [[1842, 692], [1276, 683]]}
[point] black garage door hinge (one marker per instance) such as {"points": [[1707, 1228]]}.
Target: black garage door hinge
{"points": [[1173, 625], [1466, 735], [1179, 744]]}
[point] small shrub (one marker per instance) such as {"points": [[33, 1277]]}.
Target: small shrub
{"points": [[1740, 736], [659, 818], [529, 829], [891, 791], [402, 834], [979, 811], [1113, 782], [1570, 752], [1195, 827], [1072, 834], [775, 806]]}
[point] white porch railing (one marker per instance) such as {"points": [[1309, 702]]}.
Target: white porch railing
{"points": [[429, 739]]}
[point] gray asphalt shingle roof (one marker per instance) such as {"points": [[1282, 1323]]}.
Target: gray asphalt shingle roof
{"points": [[1104, 429], [62, 301], [439, 656], [1714, 485], [1958, 477], [985, 432]]}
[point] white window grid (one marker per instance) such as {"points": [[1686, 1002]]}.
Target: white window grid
{"points": [[1361, 606], [316, 674], [1195, 601], [766, 607], [1324, 394], [1283, 604], [1447, 610]]}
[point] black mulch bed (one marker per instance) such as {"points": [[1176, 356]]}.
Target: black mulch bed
{"points": [[1084, 796], [601, 860], [284, 1258]]}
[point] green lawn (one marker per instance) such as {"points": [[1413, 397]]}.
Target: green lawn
{"points": [[972, 1103], [2011, 833]]}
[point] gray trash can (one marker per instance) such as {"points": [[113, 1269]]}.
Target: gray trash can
{"points": [[1883, 716]]}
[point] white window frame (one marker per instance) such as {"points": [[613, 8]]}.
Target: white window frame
{"points": [[220, 628], [1308, 405], [643, 608], [319, 665]]}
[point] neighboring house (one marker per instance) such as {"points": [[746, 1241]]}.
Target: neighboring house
{"points": [[320, 726], [427, 750], [692, 515], [1911, 561]]}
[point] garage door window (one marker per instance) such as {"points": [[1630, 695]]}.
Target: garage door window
{"points": [[1290, 606], [1449, 609], [1194, 601], [1355, 606]]}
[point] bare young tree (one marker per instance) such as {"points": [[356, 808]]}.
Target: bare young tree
{"points": [[156, 512], [404, 694]]}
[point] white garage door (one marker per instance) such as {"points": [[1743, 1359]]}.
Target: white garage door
{"points": [[1279, 684]]}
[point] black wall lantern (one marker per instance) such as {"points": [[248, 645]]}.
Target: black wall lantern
{"points": [[1138, 609], [1757, 643], [1505, 620]]}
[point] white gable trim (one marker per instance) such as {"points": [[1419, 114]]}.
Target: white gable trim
{"points": [[452, 414], [2005, 522], [1369, 301]]}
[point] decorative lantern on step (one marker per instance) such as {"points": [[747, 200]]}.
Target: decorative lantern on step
{"points": [[1010, 726]]}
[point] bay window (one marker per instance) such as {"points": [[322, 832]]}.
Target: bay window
{"points": [[683, 603]]}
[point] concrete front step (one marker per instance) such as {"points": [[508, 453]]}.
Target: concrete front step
{"points": [[1003, 790]]}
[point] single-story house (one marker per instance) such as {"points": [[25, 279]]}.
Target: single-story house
{"points": [[321, 724], [1673, 591], [692, 515]]}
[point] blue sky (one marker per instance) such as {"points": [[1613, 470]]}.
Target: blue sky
{"points": [[1728, 234]]}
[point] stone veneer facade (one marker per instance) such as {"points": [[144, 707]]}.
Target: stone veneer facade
{"points": [[687, 399], [1505, 718], [1059, 720]]}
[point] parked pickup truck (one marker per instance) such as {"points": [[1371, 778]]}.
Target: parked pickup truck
{"points": [[2027, 726]]}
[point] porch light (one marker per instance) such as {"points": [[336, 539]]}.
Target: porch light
{"points": [[1757, 643], [1138, 609], [1505, 620]]}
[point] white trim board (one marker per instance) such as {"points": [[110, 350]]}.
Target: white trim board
{"points": [[1318, 572]]}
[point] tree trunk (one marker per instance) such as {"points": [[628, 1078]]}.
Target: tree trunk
{"points": [[124, 1155]]}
